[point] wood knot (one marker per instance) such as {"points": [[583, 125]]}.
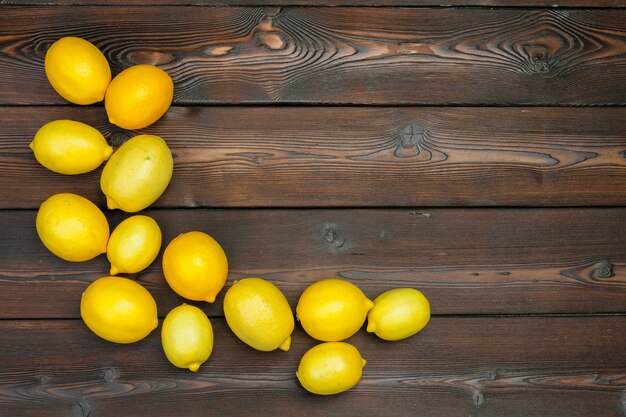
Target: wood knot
{"points": [[109, 374], [602, 270], [220, 50], [331, 237], [117, 138], [410, 140], [478, 399], [81, 408], [540, 66], [273, 41]]}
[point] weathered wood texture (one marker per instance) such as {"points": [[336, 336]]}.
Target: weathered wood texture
{"points": [[296, 156], [336, 55], [554, 367], [465, 261], [418, 3]]}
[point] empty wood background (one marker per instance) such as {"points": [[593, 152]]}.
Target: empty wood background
{"points": [[472, 149]]}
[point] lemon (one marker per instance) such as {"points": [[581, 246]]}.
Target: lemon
{"points": [[259, 314], [195, 266], [330, 368], [133, 245], [187, 337], [332, 309], [72, 227], [118, 310], [398, 314], [77, 70], [70, 147], [137, 173], [138, 96]]}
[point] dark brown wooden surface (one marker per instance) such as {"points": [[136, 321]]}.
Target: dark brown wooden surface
{"points": [[344, 156], [418, 3], [563, 366], [479, 261], [475, 153], [336, 55]]}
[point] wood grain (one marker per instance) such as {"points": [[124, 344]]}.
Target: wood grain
{"points": [[479, 261], [296, 156], [419, 3], [336, 55], [555, 366]]}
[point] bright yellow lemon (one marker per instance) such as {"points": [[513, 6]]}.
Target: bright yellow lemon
{"points": [[195, 266], [330, 368], [187, 337], [77, 70], [398, 314], [134, 244], [72, 227], [70, 147], [138, 96], [137, 173], [259, 314], [332, 309], [118, 309]]}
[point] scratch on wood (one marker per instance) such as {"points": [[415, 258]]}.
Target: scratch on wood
{"points": [[622, 403], [420, 214]]}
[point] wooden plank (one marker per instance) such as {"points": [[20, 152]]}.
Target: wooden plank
{"points": [[338, 156], [364, 3], [559, 366], [336, 55], [479, 261]]}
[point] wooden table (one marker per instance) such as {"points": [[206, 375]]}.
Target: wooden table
{"points": [[476, 152]]}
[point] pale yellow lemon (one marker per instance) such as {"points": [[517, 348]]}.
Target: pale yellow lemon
{"points": [[134, 244], [259, 314], [72, 227], [138, 96], [195, 266], [330, 368], [187, 337], [70, 147], [118, 309], [398, 314], [77, 70], [332, 309], [137, 173]]}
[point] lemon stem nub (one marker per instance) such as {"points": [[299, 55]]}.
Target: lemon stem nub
{"points": [[286, 344], [371, 327], [194, 367], [108, 151], [111, 204], [115, 271]]}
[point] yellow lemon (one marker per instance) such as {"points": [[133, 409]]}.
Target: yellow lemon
{"points": [[187, 337], [137, 173], [330, 368], [332, 309], [398, 314], [138, 96], [133, 245], [77, 70], [72, 227], [70, 147], [118, 310], [259, 314], [195, 266]]}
